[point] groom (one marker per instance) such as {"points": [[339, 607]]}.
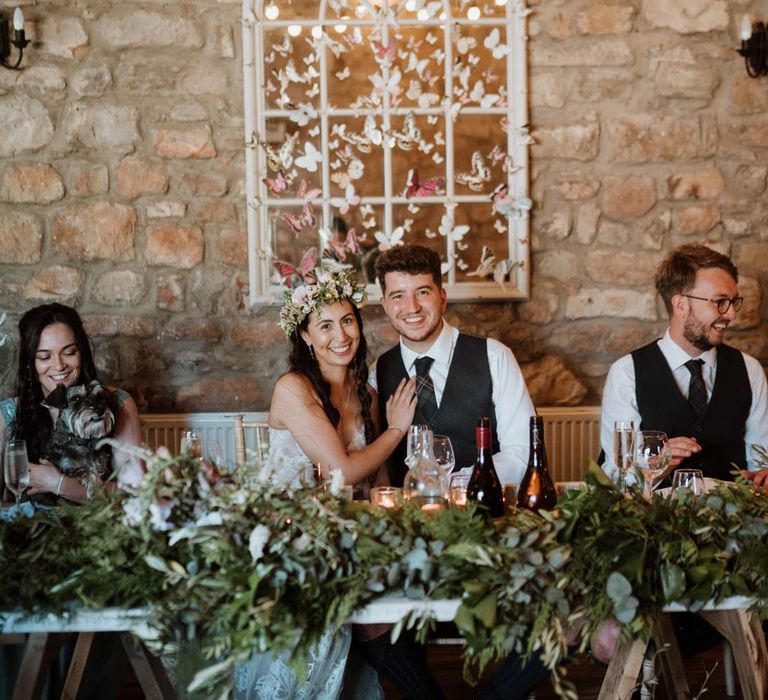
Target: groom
{"points": [[460, 378]]}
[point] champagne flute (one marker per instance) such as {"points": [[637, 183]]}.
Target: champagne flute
{"points": [[652, 455], [16, 468], [623, 445], [443, 451], [413, 442]]}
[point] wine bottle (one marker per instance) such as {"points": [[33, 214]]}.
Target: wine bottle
{"points": [[484, 486], [536, 489]]}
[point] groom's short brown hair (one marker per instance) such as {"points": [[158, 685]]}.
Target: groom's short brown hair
{"points": [[411, 259]]}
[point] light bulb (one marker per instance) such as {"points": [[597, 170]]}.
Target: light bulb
{"points": [[272, 11], [422, 14], [746, 28], [294, 30], [317, 32], [473, 13], [18, 20]]}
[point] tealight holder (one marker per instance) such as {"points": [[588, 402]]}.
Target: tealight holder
{"points": [[386, 496]]}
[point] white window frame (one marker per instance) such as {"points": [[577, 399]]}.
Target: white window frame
{"points": [[513, 26]]}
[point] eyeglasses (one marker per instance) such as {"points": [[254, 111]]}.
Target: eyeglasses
{"points": [[722, 304]]}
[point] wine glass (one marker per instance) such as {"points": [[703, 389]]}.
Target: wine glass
{"points": [[691, 479], [623, 446], [443, 452], [652, 455], [16, 468], [192, 443], [414, 439]]}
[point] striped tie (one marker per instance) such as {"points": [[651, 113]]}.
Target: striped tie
{"points": [[426, 402], [697, 391]]}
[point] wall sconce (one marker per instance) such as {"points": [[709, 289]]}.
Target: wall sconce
{"points": [[19, 41], [754, 47]]}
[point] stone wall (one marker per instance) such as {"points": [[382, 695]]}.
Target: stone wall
{"points": [[121, 190]]}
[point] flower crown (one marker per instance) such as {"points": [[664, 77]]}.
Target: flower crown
{"points": [[317, 287]]}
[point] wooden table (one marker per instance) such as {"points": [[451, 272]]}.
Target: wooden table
{"points": [[46, 634]]}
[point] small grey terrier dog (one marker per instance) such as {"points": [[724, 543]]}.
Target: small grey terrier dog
{"points": [[85, 416]]}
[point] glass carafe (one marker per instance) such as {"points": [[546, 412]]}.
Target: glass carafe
{"points": [[426, 484]]}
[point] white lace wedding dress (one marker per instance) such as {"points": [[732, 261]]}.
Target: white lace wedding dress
{"points": [[270, 677]]}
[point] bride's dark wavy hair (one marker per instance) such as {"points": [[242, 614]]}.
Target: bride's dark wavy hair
{"points": [[302, 362], [33, 422]]}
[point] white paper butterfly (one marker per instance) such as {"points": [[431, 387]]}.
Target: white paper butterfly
{"points": [[310, 159], [455, 233], [394, 239], [491, 43], [478, 95], [351, 199]]}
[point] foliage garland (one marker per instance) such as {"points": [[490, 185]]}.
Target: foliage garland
{"points": [[238, 564]]}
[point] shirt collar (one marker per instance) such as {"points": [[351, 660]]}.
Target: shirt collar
{"points": [[676, 357], [440, 351]]}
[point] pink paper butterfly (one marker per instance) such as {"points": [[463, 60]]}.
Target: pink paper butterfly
{"points": [[305, 270], [415, 188]]}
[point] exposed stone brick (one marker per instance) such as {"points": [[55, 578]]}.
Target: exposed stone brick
{"points": [[586, 223], [750, 179], [687, 16], [192, 142], [548, 90], [750, 133], [680, 73], [188, 112], [753, 343], [136, 177], [256, 333], [210, 291], [578, 52], [174, 245], [752, 257], [44, 79], [95, 231], [129, 27], [628, 198], [31, 183], [194, 328], [61, 36], [704, 184], [697, 219], [651, 137], [119, 288], [626, 337], [212, 210], [85, 179], [231, 245], [602, 18], [239, 393], [622, 267], [613, 233], [747, 96], [736, 227], [579, 141], [111, 325], [165, 209], [543, 304], [170, 292], [26, 125], [558, 226], [557, 264], [579, 337], [602, 84], [621, 303], [205, 184], [749, 314], [578, 186], [551, 383], [91, 82], [559, 27], [21, 237], [100, 126], [55, 283]]}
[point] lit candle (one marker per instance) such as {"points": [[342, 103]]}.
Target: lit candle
{"points": [[431, 508], [746, 28], [385, 496], [18, 20]]}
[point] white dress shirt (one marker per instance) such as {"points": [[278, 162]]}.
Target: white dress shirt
{"points": [[620, 400], [513, 406]]}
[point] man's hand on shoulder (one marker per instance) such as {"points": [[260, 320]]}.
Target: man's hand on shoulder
{"points": [[759, 478]]}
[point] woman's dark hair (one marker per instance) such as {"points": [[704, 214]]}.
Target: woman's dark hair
{"points": [[302, 362], [33, 422]]}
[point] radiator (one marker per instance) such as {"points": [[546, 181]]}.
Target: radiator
{"points": [[571, 435]]}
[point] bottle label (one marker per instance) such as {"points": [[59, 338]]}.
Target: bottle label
{"points": [[483, 438]]}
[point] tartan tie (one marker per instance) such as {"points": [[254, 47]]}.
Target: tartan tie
{"points": [[697, 391], [426, 402]]}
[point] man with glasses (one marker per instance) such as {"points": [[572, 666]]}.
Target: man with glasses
{"points": [[709, 398]]}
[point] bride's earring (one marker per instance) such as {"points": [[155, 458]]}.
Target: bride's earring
{"points": [[311, 351]]}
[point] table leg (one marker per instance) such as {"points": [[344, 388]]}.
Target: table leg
{"points": [[745, 636], [77, 666], [671, 662], [148, 669], [39, 651], [622, 673]]}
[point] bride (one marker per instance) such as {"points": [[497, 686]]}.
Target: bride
{"points": [[324, 412]]}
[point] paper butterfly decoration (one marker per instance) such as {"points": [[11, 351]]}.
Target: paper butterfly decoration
{"points": [[341, 248], [390, 241], [298, 222], [455, 233], [303, 191], [489, 266], [278, 185], [282, 159], [416, 188], [305, 270], [351, 199], [507, 205], [480, 174], [491, 43], [310, 159]]}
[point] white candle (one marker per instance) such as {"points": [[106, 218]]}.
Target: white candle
{"points": [[746, 28], [18, 20]]}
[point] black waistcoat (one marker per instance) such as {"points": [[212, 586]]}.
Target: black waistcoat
{"points": [[721, 428], [467, 396]]}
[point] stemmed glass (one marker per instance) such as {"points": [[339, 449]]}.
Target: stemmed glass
{"points": [[652, 455], [443, 451], [414, 439], [192, 443], [623, 446], [16, 468]]}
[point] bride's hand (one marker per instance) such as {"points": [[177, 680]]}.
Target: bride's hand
{"points": [[402, 405]]}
